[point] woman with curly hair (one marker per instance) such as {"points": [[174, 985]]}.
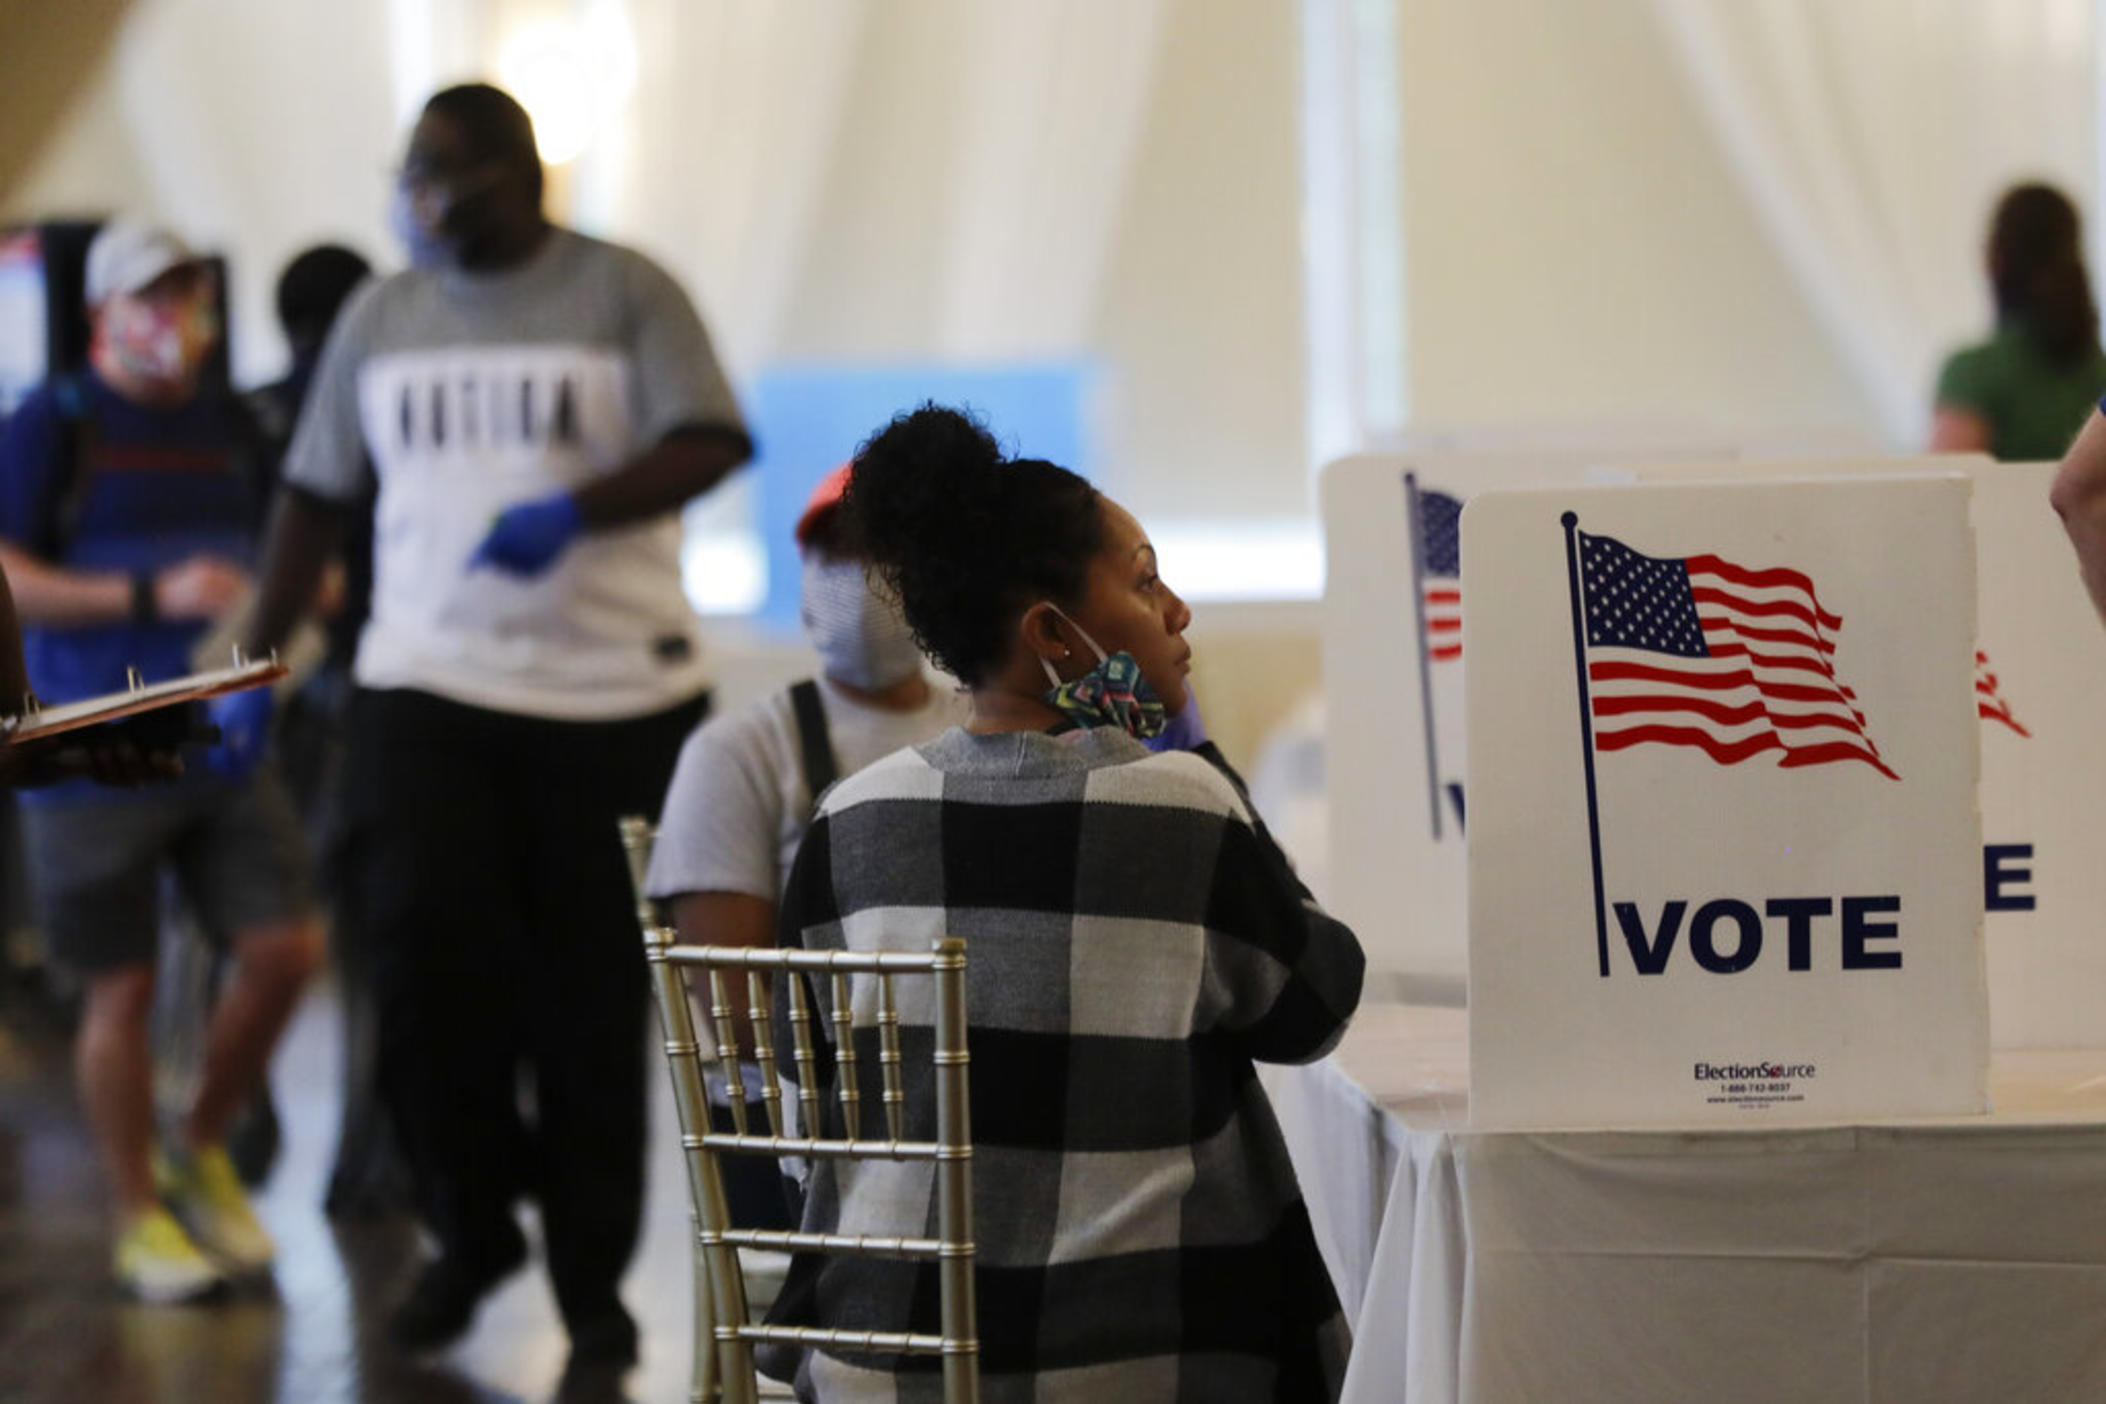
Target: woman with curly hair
{"points": [[1135, 942]]}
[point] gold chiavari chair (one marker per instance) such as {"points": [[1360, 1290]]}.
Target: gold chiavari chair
{"points": [[724, 1334]]}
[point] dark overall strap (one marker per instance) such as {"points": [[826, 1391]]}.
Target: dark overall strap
{"points": [[73, 442], [814, 745]]}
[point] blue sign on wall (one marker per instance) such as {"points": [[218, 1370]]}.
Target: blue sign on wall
{"points": [[809, 419]]}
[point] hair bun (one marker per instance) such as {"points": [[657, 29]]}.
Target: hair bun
{"points": [[920, 475], [963, 534]]}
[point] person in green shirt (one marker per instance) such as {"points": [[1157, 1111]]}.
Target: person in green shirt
{"points": [[2022, 395]]}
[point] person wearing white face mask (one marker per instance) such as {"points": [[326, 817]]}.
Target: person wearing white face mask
{"points": [[748, 782], [127, 509]]}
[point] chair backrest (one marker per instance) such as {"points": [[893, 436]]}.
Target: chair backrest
{"points": [[729, 1349]]}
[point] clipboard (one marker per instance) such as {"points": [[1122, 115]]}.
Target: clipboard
{"points": [[40, 723]]}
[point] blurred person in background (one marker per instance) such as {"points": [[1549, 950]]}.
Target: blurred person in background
{"points": [[533, 407], [748, 783], [368, 1176], [127, 503], [2023, 394]]}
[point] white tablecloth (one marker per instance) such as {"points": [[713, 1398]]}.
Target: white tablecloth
{"points": [[1918, 1261]]}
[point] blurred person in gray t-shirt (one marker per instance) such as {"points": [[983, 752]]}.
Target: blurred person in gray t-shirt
{"points": [[535, 407]]}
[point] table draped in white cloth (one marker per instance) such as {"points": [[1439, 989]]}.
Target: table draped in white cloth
{"points": [[1960, 1259]]}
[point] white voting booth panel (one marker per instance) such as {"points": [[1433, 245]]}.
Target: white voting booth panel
{"points": [[2040, 676], [1393, 689], [1724, 852]]}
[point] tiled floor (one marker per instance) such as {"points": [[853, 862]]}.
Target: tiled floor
{"points": [[65, 1338]]}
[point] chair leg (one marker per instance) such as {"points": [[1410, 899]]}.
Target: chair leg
{"points": [[704, 1372]]}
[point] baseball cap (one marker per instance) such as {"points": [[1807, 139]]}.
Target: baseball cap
{"points": [[127, 255], [824, 499]]}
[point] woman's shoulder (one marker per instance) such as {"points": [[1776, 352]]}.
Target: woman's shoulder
{"points": [[1171, 779], [905, 774], [1974, 375]]}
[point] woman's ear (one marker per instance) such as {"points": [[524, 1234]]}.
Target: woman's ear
{"points": [[1040, 630]]}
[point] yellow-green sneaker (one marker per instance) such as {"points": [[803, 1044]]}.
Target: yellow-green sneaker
{"points": [[206, 1197], [156, 1262]]}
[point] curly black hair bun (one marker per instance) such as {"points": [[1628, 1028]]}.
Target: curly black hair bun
{"points": [[967, 538]]}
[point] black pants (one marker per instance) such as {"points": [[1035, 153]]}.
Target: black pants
{"points": [[510, 977]]}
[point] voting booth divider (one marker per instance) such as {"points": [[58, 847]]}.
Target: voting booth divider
{"points": [[2040, 671], [1393, 682], [1723, 846]]}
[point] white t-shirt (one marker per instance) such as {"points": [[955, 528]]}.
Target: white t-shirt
{"points": [[472, 393], [738, 806]]}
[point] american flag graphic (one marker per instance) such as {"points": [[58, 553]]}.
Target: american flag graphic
{"points": [[1989, 703], [1697, 651], [1440, 556]]}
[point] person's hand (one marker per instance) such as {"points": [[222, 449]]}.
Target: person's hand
{"points": [[525, 540], [202, 587], [1186, 730], [244, 722]]}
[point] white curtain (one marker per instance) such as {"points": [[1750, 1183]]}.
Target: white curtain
{"points": [[1873, 136], [1052, 102]]}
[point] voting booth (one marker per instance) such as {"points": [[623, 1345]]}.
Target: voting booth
{"points": [[1393, 682], [1724, 850], [2040, 672]]}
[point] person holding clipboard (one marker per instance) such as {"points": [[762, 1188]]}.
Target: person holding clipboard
{"points": [[126, 514]]}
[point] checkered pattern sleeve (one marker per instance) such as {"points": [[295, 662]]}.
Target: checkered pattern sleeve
{"points": [[1283, 976]]}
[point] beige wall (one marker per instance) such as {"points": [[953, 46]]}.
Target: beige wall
{"points": [[1200, 325], [1577, 247]]}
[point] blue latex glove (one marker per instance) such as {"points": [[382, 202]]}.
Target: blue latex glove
{"points": [[525, 540], [1185, 731], [244, 722]]}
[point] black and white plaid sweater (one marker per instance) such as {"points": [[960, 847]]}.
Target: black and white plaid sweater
{"points": [[1135, 940]]}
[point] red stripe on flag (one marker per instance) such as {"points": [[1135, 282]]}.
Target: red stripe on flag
{"points": [[1705, 595], [2001, 714], [1770, 660], [1769, 636], [1721, 713], [1779, 578], [1713, 682], [1734, 752]]}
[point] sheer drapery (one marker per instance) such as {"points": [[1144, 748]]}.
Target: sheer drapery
{"points": [[1871, 139], [1053, 100]]}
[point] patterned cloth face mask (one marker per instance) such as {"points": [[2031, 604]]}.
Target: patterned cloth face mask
{"points": [[1111, 694]]}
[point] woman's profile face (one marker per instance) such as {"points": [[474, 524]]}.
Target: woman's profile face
{"points": [[1126, 605]]}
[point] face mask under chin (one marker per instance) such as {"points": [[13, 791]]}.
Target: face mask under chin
{"points": [[1111, 694]]}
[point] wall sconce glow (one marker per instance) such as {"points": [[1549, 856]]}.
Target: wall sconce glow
{"points": [[572, 78]]}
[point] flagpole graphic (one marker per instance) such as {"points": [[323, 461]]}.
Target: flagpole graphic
{"points": [[1570, 521], [1425, 646]]}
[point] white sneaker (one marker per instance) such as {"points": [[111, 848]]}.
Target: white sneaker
{"points": [[207, 1199], [157, 1263]]}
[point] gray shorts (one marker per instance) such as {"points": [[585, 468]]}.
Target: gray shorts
{"points": [[95, 865]]}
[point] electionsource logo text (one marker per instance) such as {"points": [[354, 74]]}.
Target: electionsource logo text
{"points": [[1726, 1072]]}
